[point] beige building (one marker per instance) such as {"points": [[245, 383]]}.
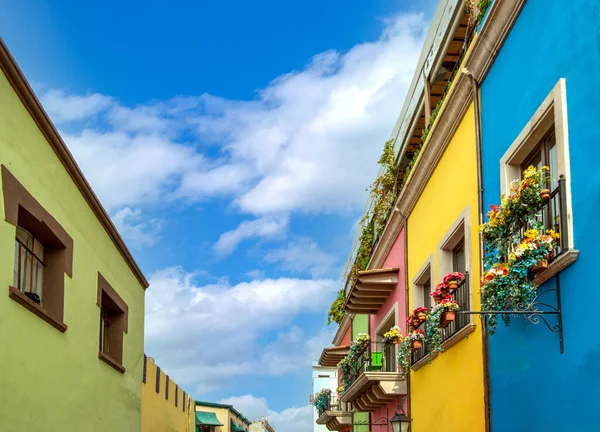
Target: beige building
{"points": [[214, 417], [261, 425]]}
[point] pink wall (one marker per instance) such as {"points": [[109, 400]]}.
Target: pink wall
{"points": [[394, 259]]}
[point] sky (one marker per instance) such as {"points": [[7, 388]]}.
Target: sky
{"points": [[232, 144]]}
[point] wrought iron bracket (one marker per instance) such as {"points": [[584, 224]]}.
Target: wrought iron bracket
{"points": [[536, 311], [381, 421]]}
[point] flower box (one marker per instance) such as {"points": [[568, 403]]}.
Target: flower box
{"points": [[447, 318]]}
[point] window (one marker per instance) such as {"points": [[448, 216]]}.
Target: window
{"points": [[455, 256], [544, 141], [422, 287], [43, 254], [462, 295], [384, 357], [113, 323], [29, 265]]}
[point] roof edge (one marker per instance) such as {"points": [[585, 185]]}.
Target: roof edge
{"points": [[25, 93]]}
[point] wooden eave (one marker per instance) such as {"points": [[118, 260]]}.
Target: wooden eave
{"points": [[330, 357], [370, 290], [374, 390], [481, 53]]}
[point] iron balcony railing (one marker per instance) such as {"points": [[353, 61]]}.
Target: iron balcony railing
{"points": [[553, 216], [29, 272], [377, 356], [333, 404], [462, 296]]}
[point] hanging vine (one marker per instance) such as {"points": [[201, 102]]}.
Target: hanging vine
{"points": [[336, 311]]}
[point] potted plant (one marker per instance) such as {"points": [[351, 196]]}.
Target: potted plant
{"points": [[453, 280], [393, 335], [340, 390], [420, 313], [536, 248], [545, 194], [363, 339], [443, 289], [437, 295], [449, 307], [417, 337]]}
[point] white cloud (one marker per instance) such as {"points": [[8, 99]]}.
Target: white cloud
{"points": [[134, 229], [294, 419], [309, 142], [184, 318], [65, 108], [302, 255], [263, 227]]}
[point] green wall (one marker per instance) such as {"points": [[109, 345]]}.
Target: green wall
{"points": [[53, 381], [360, 324]]}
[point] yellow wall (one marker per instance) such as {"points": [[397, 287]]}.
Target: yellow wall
{"points": [[160, 414], [53, 381], [449, 394]]}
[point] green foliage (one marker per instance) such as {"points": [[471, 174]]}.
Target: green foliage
{"points": [[322, 400], [483, 6], [350, 365], [509, 282], [404, 351], [336, 311]]}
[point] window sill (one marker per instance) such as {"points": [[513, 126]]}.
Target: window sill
{"points": [[559, 264], [111, 362], [452, 340], [35, 308]]}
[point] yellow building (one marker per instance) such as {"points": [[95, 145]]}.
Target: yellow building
{"points": [[72, 326], [433, 228], [214, 417], [165, 406]]}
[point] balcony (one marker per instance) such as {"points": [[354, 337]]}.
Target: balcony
{"points": [[370, 290], [336, 416], [330, 357], [377, 380]]}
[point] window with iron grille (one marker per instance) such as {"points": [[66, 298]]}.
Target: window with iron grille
{"points": [[43, 253], [113, 323], [423, 285], [462, 294], [544, 141], [29, 265]]}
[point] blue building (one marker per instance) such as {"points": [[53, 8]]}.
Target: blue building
{"points": [[539, 106]]}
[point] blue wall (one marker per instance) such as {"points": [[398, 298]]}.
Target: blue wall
{"points": [[534, 388]]}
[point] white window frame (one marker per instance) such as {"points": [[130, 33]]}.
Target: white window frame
{"points": [[426, 271], [551, 113]]}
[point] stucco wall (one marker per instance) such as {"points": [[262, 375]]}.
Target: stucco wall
{"points": [[397, 299], [160, 414], [54, 381], [449, 394], [549, 41], [360, 324]]}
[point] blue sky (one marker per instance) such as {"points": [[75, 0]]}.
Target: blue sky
{"points": [[232, 143]]}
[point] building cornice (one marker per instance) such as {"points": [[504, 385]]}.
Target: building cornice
{"points": [[478, 60], [19, 83]]}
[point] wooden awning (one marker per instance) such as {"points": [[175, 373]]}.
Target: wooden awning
{"points": [[370, 290], [330, 357]]}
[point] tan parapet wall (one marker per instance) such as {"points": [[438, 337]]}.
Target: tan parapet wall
{"points": [[166, 407]]}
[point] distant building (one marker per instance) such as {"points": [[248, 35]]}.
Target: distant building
{"points": [[165, 406], [322, 378], [261, 425], [215, 417]]}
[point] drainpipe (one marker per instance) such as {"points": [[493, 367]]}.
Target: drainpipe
{"points": [[480, 188]]}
